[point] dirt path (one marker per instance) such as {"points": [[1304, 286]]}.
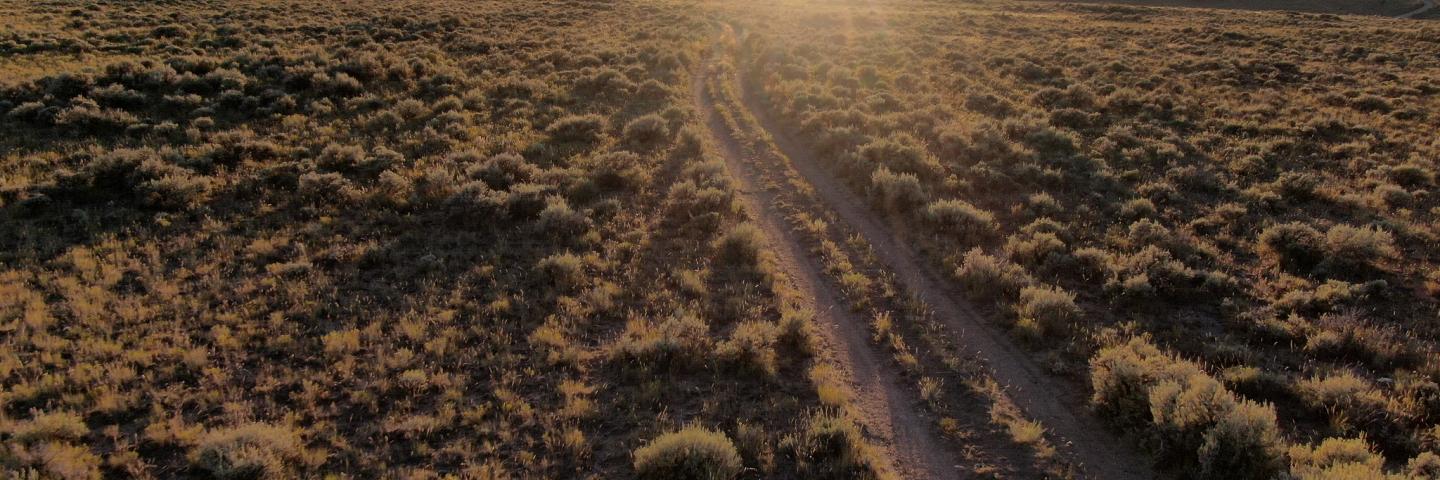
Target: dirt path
{"points": [[887, 409], [1429, 4], [1059, 408]]}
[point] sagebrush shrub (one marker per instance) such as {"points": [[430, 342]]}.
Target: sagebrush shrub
{"points": [[897, 190], [1350, 336], [1393, 196], [1297, 186], [33, 111], [605, 81], [1355, 247], [1185, 413], [989, 104], [325, 187], [1424, 465], [1183, 410], [1028, 329], [1293, 245], [1145, 232], [149, 177], [383, 158], [117, 95], [741, 246], [1074, 119], [646, 131], [411, 109], [681, 339], [49, 426], [560, 220], [1136, 286], [832, 446], [469, 202], [653, 89], [1051, 306], [1137, 208], [1336, 458], [992, 276], [1343, 392], [524, 201], [901, 154], [578, 128], [1034, 248], [751, 345], [1244, 444], [254, 450], [84, 114], [692, 453], [1327, 296], [1045, 138], [961, 219], [1412, 174], [449, 104], [1371, 103], [701, 205], [618, 171], [1121, 377], [176, 189], [1046, 225], [834, 140], [499, 171], [1253, 382], [564, 270], [690, 143], [797, 329], [1093, 262]]}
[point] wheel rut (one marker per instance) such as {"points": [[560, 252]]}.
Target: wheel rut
{"points": [[886, 408], [1060, 408]]}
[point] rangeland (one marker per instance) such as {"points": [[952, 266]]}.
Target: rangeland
{"points": [[797, 239]]}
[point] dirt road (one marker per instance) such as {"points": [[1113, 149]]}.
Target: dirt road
{"points": [[1059, 408], [886, 407], [1429, 4]]}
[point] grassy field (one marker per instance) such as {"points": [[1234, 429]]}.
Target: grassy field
{"points": [[594, 239]]}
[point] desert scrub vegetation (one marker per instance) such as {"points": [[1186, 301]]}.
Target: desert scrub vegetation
{"points": [[968, 407], [1186, 414], [690, 453], [1249, 201], [271, 239]]}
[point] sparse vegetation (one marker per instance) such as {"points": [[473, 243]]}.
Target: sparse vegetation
{"points": [[269, 239], [1078, 194], [276, 239]]}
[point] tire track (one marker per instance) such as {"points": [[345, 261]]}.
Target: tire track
{"points": [[886, 408], [1061, 410]]}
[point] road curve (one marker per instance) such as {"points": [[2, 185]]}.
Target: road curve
{"points": [[1429, 4]]}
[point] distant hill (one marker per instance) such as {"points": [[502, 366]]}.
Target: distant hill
{"points": [[1343, 7]]}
